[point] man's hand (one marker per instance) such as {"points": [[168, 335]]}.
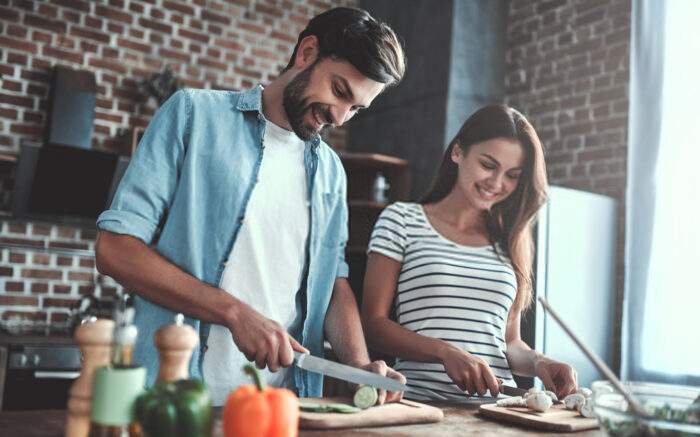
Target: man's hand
{"points": [[262, 340], [381, 368], [558, 377]]}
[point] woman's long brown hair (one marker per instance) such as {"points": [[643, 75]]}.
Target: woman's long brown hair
{"points": [[509, 222]]}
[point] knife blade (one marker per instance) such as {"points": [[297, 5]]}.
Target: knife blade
{"points": [[512, 391], [346, 373]]}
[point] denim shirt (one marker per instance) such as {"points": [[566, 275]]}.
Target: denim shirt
{"points": [[185, 193]]}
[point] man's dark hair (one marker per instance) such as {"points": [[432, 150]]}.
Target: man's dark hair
{"points": [[355, 36]]}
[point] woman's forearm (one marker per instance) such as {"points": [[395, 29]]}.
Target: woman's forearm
{"points": [[522, 359], [392, 339]]}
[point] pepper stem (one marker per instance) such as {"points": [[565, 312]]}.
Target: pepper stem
{"points": [[251, 371]]}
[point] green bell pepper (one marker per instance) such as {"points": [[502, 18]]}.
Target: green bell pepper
{"points": [[176, 409]]}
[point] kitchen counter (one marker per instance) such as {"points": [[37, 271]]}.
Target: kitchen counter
{"points": [[458, 421]]}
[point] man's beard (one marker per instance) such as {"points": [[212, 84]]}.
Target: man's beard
{"points": [[296, 107]]}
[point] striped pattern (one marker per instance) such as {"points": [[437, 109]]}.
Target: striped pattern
{"points": [[460, 294]]}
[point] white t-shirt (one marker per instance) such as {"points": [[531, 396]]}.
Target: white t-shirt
{"points": [[266, 265]]}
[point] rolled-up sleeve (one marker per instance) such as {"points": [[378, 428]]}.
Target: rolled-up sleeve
{"points": [[149, 183]]}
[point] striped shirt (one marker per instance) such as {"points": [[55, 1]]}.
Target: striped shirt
{"points": [[459, 294]]}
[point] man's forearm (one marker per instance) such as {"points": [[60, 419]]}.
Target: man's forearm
{"points": [[343, 327], [142, 270]]}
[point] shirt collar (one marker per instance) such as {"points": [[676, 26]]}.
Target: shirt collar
{"points": [[251, 100]]}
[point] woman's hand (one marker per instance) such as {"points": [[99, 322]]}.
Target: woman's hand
{"points": [[469, 372], [558, 377]]}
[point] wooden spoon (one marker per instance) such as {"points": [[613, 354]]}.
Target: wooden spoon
{"points": [[636, 406]]}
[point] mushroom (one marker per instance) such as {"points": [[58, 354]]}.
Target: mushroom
{"points": [[552, 395], [586, 392], [574, 401], [538, 401], [515, 401], [586, 409], [532, 391]]}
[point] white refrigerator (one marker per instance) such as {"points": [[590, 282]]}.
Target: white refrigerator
{"points": [[576, 251]]}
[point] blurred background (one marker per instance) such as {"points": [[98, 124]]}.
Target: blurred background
{"points": [[608, 85]]}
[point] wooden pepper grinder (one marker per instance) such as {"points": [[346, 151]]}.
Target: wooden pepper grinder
{"points": [[175, 345], [94, 337]]}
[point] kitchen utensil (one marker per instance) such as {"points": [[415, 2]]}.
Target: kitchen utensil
{"points": [[346, 373], [94, 339], [397, 413], [175, 344], [636, 407], [557, 418]]}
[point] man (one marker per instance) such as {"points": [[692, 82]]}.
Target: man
{"points": [[233, 213]]}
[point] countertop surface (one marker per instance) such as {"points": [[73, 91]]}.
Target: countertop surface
{"points": [[459, 421]]}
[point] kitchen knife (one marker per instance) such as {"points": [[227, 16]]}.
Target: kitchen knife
{"points": [[512, 391], [346, 373]]}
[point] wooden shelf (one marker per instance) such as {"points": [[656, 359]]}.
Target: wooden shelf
{"points": [[371, 160], [367, 204], [6, 157]]}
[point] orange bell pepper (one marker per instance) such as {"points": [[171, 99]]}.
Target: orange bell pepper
{"points": [[258, 411]]}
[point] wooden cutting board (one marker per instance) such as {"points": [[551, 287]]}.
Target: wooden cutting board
{"points": [[557, 418], [405, 412]]}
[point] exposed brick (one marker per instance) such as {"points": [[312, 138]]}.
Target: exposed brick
{"points": [[67, 245], [64, 55], [156, 25], [86, 289], [173, 54], [178, 6], [34, 316], [14, 286], [18, 301], [16, 44], [22, 241], [41, 259], [80, 5], [8, 14], [80, 276], [17, 228], [59, 317], [6, 271], [62, 289], [114, 14], [90, 34], [17, 31], [208, 15], [53, 26], [40, 287], [41, 274], [133, 45], [52, 302], [193, 35], [87, 262], [17, 258]]}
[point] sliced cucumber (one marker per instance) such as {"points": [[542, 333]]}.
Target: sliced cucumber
{"points": [[365, 397], [328, 408]]}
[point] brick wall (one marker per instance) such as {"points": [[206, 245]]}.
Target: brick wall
{"points": [[41, 284], [568, 71], [208, 44]]}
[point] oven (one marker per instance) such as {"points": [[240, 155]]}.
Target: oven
{"points": [[37, 374]]}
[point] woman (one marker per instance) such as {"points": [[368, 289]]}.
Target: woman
{"points": [[457, 267]]}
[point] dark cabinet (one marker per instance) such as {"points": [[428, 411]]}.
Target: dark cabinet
{"points": [[362, 170]]}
